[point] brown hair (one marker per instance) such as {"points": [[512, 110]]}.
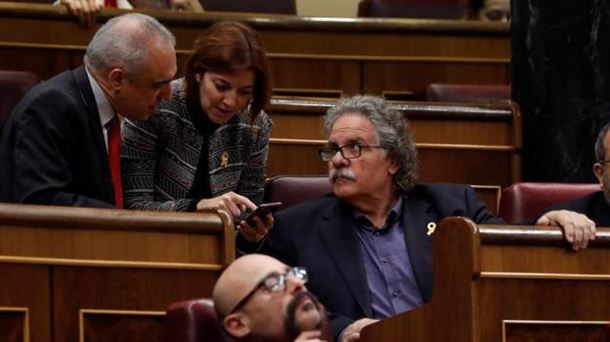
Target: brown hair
{"points": [[228, 46]]}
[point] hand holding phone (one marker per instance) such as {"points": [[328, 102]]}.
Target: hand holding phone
{"points": [[262, 211]]}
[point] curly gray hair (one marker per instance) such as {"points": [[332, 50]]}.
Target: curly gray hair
{"points": [[391, 131]]}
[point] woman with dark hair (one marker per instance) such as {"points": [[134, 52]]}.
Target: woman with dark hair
{"points": [[206, 147]]}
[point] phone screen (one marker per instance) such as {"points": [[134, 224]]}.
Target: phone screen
{"points": [[262, 211]]}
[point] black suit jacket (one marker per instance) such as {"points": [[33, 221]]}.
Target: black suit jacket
{"points": [[53, 149], [320, 236], [593, 205]]}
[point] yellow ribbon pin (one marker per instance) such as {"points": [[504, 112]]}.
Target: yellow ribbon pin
{"points": [[431, 228], [224, 159]]}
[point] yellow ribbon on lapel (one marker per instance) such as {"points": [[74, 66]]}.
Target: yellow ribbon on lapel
{"points": [[224, 159]]}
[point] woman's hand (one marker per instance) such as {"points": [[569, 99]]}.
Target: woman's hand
{"points": [[260, 229], [230, 202]]}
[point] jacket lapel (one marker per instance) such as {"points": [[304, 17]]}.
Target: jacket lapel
{"points": [[415, 220], [93, 119], [338, 234]]}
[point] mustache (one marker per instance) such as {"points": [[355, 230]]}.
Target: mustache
{"points": [[343, 172], [292, 329]]}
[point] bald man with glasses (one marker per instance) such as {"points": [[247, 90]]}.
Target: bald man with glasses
{"points": [[258, 298]]}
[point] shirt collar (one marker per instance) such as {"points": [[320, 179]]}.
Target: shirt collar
{"points": [[104, 108], [394, 214]]}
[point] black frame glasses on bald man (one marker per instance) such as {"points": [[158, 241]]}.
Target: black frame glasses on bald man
{"points": [[274, 282], [349, 151]]}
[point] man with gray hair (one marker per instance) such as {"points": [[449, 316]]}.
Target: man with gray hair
{"points": [[366, 245], [596, 205], [61, 145]]}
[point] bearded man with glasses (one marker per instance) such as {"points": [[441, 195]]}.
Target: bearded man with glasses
{"points": [[258, 298], [365, 246]]}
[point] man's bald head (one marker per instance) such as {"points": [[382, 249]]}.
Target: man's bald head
{"points": [[240, 278]]}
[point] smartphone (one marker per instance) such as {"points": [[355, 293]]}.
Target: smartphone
{"points": [[262, 211]]}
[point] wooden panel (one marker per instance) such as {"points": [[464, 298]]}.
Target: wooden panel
{"points": [[440, 131], [14, 325], [60, 235], [383, 76], [77, 259], [476, 299], [105, 245], [15, 298], [469, 165], [44, 63], [322, 53], [295, 158], [128, 326], [556, 331], [121, 289], [316, 74], [541, 299], [467, 132]]}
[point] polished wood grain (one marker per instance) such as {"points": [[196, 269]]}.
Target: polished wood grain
{"points": [[556, 331], [352, 55], [486, 277], [75, 259], [116, 325], [14, 325], [25, 287]]}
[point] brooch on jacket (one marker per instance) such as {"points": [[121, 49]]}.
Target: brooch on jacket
{"points": [[224, 159]]}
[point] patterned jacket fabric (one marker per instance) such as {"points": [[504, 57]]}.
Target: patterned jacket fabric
{"points": [[159, 156]]}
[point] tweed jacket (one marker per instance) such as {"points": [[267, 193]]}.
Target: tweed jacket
{"points": [[160, 156]]}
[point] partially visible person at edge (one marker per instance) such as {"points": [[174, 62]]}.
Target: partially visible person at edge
{"points": [[61, 145], [258, 298], [366, 245], [596, 205], [206, 147], [85, 11]]}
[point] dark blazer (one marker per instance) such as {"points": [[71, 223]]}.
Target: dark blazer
{"points": [[53, 150], [319, 235], [593, 205]]}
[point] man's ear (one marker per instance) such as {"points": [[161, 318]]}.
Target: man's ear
{"points": [[237, 325], [117, 78], [394, 167], [598, 171]]}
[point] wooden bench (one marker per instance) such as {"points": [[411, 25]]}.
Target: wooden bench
{"points": [[508, 283], [398, 57], [70, 274]]}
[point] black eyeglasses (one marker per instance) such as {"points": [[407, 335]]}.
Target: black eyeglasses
{"points": [[350, 151], [603, 161], [274, 282]]}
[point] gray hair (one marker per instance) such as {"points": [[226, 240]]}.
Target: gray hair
{"points": [[124, 42], [391, 131], [600, 145]]}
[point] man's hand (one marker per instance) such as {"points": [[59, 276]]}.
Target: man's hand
{"points": [[257, 232], [577, 228], [84, 10], [352, 332]]}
